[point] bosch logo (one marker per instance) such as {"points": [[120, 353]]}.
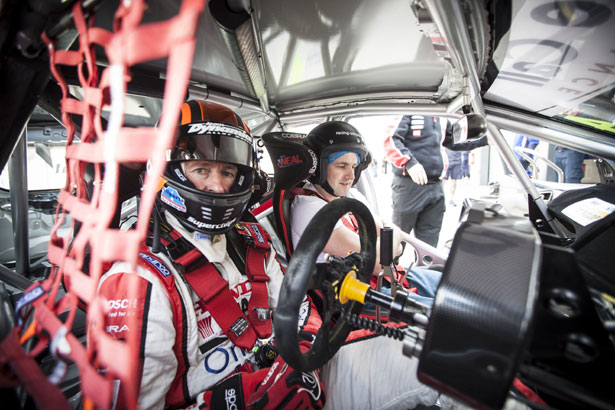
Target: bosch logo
{"points": [[121, 304]]}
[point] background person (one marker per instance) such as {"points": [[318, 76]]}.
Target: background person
{"points": [[465, 164], [415, 151], [454, 172], [571, 163], [205, 298], [525, 142]]}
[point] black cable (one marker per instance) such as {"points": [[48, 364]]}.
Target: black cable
{"points": [[372, 325]]}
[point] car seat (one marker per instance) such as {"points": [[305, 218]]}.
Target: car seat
{"points": [[293, 163]]}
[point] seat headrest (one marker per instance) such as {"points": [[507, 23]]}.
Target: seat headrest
{"points": [[292, 161]]}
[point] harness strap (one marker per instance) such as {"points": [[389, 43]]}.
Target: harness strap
{"points": [[209, 285], [257, 240], [219, 301], [30, 375]]}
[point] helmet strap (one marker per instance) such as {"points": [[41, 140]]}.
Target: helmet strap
{"points": [[328, 188], [156, 244]]}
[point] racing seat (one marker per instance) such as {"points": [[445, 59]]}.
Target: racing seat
{"points": [[293, 163]]}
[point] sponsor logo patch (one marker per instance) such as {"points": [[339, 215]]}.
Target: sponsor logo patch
{"points": [[171, 197], [202, 236], [115, 304], [28, 298], [218, 129], [201, 225], [116, 329], [180, 175], [230, 397], [288, 161], [259, 235], [156, 264]]}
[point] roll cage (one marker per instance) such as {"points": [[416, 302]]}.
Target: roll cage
{"points": [[249, 56]]}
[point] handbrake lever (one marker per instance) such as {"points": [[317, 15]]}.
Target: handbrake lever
{"points": [[386, 259]]}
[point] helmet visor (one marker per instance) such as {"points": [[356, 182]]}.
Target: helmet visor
{"points": [[213, 141]]}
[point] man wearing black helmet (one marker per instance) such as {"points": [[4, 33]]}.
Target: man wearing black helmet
{"points": [[207, 282], [342, 156]]}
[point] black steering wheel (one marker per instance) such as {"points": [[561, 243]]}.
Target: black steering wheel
{"points": [[304, 274]]}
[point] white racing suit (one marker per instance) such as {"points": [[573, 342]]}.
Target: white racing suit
{"points": [[183, 350], [368, 372]]}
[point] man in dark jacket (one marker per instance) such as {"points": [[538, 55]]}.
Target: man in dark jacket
{"points": [[415, 150]]}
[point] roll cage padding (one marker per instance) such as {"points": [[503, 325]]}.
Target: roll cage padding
{"points": [[293, 163], [80, 258]]}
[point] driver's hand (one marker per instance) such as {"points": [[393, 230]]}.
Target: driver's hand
{"points": [[417, 173], [286, 387]]}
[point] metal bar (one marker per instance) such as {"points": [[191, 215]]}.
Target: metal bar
{"points": [[369, 108], [426, 251], [513, 163], [263, 128], [526, 153], [448, 17], [18, 184], [14, 279], [568, 136], [226, 99], [456, 104], [398, 97]]}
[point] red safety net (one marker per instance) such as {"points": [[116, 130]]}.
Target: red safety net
{"points": [[80, 257]]}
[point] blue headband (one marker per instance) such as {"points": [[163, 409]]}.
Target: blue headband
{"points": [[332, 157]]}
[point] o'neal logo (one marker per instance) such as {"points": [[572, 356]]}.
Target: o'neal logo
{"points": [[288, 160], [171, 197]]}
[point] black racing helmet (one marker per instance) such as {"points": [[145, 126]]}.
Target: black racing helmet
{"points": [[213, 132], [335, 136]]}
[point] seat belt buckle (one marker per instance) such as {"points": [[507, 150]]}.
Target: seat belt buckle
{"points": [[240, 326], [263, 314]]}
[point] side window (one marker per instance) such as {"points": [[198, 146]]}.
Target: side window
{"points": [[553, 169], [46, 174], [46, 167], [547, 162]]}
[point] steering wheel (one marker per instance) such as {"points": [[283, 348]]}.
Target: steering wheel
{"points": [[304, 274]]}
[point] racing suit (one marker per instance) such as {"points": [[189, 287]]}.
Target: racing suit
{"points": [[186, 357]]}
